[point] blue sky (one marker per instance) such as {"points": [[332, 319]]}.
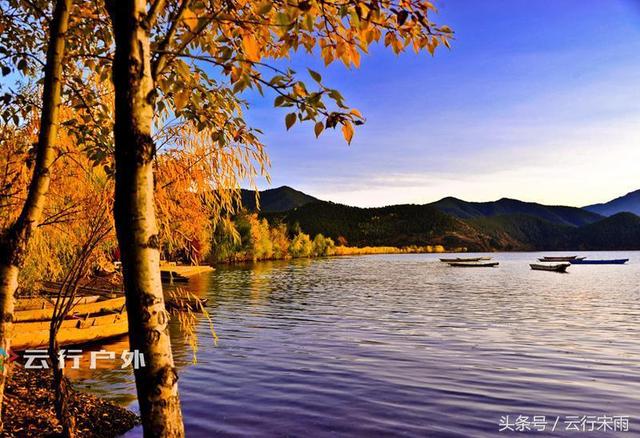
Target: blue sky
{"points": [[537, 100]]}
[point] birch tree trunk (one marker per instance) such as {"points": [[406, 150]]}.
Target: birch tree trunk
{"points": [[135, 220], [14, 241]]}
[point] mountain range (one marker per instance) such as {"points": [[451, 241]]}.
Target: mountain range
{"points": [[505, 224], [279, 199], [627, 203]]}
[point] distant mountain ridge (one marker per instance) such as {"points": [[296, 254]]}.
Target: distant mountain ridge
{"points": [[506, 224], [274, 200], [557, 214], [627, 203]]}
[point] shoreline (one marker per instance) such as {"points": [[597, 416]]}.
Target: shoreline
{"points": [[342, 251], [362, 251], [28, 409]]}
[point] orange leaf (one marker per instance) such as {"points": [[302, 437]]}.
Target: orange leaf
{"points": [[250, 46], [347, 132], [180, 99], [190, 19]]}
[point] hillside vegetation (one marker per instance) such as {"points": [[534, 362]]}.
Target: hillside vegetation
{"points": [[279, 199], [556, 214], [397, 225], [485, 229]]}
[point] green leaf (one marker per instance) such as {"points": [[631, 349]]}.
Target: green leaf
{"points": [[315, 75]]}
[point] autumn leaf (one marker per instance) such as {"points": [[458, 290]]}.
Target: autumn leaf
{"points": [[180, 99], [265, 7], [290, 120], [190, 19], [347, 131], [318, 129], [250, 47]]}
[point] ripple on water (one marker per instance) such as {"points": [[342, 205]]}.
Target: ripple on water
{"points": [[407, 346]]}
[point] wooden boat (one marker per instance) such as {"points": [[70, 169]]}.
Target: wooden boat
{"points": [[170, 276], [464, 259], [553, 268], [558, 258], [102, 305], [473, 265], [599, 262], [43, 303], [73, 331], [171, 273]]}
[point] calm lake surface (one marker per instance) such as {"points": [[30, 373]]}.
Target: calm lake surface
{"points": [[403, 345]]}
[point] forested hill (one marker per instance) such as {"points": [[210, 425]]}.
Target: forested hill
{"points": [[628, 203], [397, 225], [279, 199], [404, 225], [556, 214]]}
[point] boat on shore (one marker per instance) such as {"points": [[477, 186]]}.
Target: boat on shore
{"points": [[473, 265], [44, 302], [100, 306], [172, 273], [75, 331], [562, 267], [464, 259], [585, 261], [172, 300]]}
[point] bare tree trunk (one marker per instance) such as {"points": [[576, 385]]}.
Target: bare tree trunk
{"points": [[14, 241], [60, 386], [98, 231], [135, 221]]}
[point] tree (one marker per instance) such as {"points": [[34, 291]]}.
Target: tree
{"points": [[134, 213], [14, 240], [301, 245], [322, 246], [167, 49]]}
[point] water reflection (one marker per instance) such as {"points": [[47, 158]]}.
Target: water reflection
{"points": [[404, 345]]}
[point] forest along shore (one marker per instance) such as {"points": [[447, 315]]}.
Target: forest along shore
{"points": [[29, 409]]}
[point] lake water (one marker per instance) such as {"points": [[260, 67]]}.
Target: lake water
{"points": [[403, 345]]}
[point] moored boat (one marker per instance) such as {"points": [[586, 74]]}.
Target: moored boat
{"points": [[464, 259], [473, 265], [552, 268], [599, 262], [559, 258]]}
